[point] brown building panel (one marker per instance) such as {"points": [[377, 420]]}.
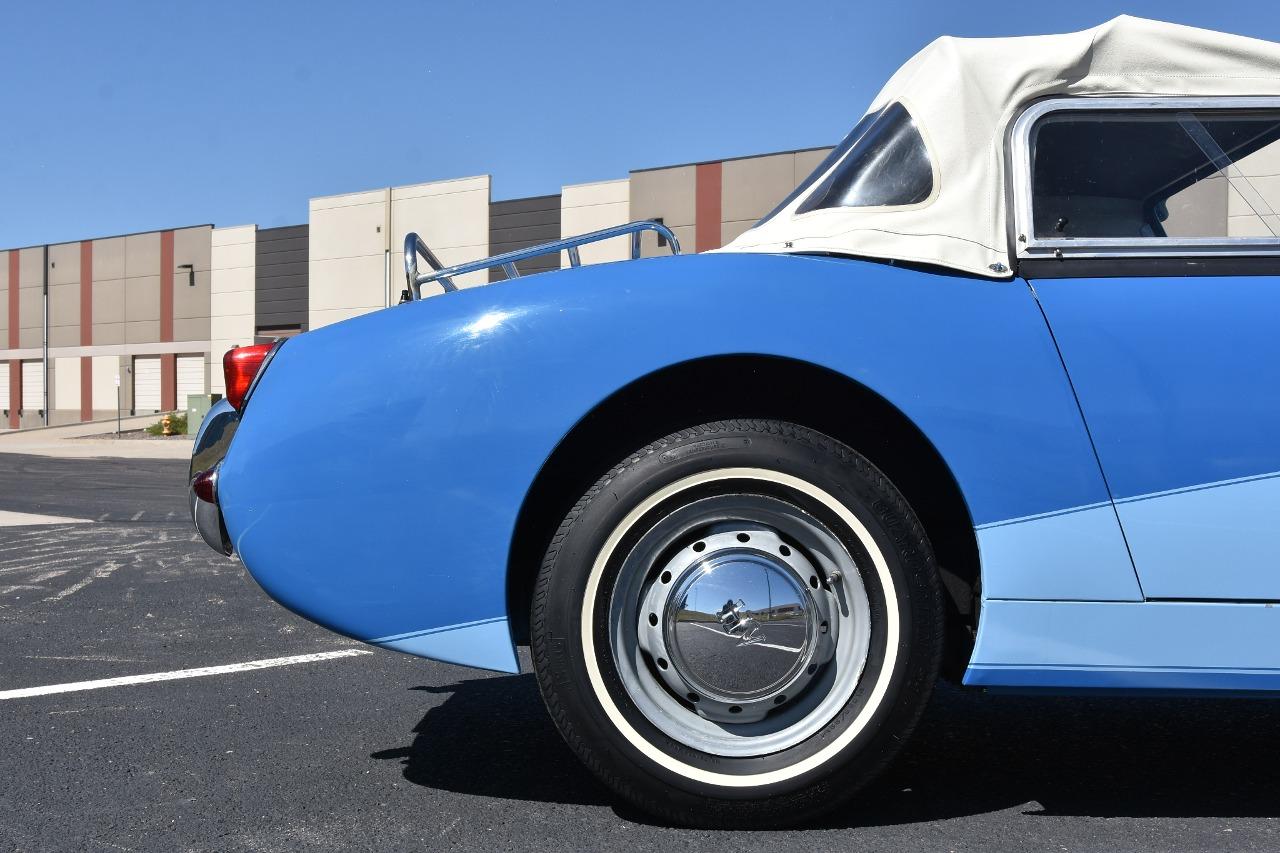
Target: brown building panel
{"points": [[13, 300], [86, 388], [86, 293], [669, 195], [15, 391], [166, 286], [31, 273], [168, 382]]}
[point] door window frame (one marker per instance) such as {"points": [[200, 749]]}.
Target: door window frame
{"points": [[1200, 255]]}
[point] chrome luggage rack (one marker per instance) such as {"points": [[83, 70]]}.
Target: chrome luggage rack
{"points": [[414, 248]]}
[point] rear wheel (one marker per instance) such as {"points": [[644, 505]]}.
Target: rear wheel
{"points": [[738, 625]]}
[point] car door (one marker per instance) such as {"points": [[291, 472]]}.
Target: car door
{"points": [[1148, 232]]}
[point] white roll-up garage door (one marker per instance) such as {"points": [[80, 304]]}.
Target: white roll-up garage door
{"points": [[146, 384], [4, 387], [32, 386], [190, 377]]}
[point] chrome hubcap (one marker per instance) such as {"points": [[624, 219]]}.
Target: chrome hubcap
{"points": [[738, 622]]}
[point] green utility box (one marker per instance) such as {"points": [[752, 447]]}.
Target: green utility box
{"points": [[198, 406]]}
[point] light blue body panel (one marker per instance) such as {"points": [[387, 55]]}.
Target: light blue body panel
{"points": [[1177, 380], [376, 477], [1079, 554], [1188, 646], [1219, 540]]}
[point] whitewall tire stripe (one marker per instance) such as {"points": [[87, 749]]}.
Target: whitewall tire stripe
{"points": [[696, 773]]}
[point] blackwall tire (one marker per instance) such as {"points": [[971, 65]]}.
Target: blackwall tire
{"points": [[852, 699]]}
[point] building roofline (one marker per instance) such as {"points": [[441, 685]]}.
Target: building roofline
{"points": [[402, 186], [731, 159], [109, 237], [527, 197]]}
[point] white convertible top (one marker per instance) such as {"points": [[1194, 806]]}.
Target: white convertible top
{"points": [[962, 93]]}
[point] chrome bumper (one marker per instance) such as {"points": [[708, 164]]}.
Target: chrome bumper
{"points": [[208, 520], [211, 445]]}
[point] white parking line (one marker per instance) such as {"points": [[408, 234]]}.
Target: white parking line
{"points": [[25, 519], [151, 677]]}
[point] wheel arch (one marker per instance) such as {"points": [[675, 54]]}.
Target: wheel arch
{"points": [[754, 386]]}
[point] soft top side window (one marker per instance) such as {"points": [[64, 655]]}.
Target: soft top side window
{"points": [[1176, 173], [835, 155], [883, 162], [888, 166]]}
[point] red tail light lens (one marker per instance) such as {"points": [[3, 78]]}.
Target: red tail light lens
{"points": [[239, 366], [205, 485]]}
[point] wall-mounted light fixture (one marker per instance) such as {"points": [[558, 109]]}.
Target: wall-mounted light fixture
{"points": [[662, 241], [191, 273]]}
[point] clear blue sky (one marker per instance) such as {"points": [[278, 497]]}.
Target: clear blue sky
{"points": [[122, 117]]}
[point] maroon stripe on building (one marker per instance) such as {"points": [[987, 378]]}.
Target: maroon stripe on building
{"points": [[708, 190], [86, 388], [86, 329], [169, 382], [15, 391], [168, 361]]}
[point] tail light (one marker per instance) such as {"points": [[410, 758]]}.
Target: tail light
{"points": [[205, 485], [239, 366]]}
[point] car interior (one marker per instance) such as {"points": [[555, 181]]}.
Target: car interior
{"points": [[1158, 174]]}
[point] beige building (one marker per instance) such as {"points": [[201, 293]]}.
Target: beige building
{"points": [[708, 204], [154, 312], [132, 309], [592, 207], [355, 261]]}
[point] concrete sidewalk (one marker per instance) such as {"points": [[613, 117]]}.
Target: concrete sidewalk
{"points": [[70, 442]]}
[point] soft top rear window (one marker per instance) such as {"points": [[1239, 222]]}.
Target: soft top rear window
{"points": [[883, 162]]}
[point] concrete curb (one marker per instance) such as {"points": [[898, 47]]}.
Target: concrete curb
{"points": [[69, 441]]}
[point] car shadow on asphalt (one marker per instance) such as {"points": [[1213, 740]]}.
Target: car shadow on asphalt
{"points": [[972, 754], [492, 737]]}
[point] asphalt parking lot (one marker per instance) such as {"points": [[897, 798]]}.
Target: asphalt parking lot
{"points": [[380, 751]]}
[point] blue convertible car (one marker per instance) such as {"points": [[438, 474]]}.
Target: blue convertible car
{"points": [[992, 394]]}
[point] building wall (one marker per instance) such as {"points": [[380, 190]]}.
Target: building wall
{"points": [[115, 299], [232, 286], [521, 223], [669, 195], [281, 281], [709, 204], [9, 298], [30, 296], [111, 298], [355, 261], [451, 216], [1214, 207], [591, 207], [346, 254], [1262, 170]]}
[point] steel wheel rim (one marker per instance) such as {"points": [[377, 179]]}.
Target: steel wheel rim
{"points": [[811, 697]]}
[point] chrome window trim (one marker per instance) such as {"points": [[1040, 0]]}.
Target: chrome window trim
{"points": [[1028, 246]]}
